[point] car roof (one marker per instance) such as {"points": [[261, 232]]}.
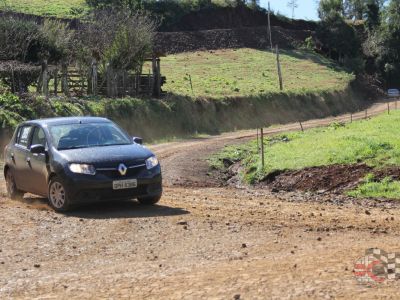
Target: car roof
{"points": [[67, 120]]}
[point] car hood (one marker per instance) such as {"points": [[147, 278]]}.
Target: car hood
{"points": [[108, 155]]}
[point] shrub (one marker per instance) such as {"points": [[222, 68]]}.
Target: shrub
{"points": [[12, 103], [17, 38]]}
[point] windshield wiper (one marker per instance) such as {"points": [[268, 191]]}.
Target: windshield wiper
{"points": [[73, 147], [105, 145]]}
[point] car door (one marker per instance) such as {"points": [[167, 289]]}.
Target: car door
{"points": [[19, 153], [38, 163]]}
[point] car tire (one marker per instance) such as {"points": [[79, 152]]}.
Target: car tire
{"points": [[58, 195], [12, 191], [149, 200]]}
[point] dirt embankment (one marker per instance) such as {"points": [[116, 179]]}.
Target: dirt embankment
{"points": [[326, 179], [180, 117], [234, 17], [242, 37]]}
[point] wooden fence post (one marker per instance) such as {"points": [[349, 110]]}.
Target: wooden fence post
{"points": [[149, 84], [55, 82], [191, 84], [64, 79], [13, 88], [301, 126], [279, 68], [156, 65], [109, 82], [262, 148], [124, 75], [137, 84], [45, 78], [258, 145], [94, 78]]}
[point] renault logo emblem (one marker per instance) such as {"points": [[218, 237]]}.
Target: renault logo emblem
{"points": [[122, 169]]}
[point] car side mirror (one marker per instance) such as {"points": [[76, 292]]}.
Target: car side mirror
{"points": [[137, 140], [38, 149]]}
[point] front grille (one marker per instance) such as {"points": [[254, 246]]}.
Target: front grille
{"points": [[113, 173]]}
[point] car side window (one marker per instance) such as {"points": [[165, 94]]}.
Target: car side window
{"points": [[23, 136], [38, 137]]}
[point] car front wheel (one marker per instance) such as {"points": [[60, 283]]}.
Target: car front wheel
{"points": [[149, 200], [58, 195], [12, 191]]}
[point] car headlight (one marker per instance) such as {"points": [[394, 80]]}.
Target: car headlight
{"points": [[82, 169], [151, 162]]}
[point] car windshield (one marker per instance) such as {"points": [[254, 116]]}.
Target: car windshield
{"points": [[75, 136]]}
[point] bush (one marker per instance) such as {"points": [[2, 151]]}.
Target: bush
{"points": [[18, 38], [355, 64], [12, 103]]}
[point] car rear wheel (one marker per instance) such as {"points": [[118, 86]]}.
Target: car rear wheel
{"points": [[149, 200], [58, 195], [12, 190]]}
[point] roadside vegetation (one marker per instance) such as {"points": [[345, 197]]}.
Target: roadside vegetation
{"points": [[53, 8], [250, 72], [375, 142], [373, 188]]}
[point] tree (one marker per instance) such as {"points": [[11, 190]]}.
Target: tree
{"points": [[57, 40], [338, 36], [389, 56], [254, 4], [354, 9], [372, 15], [292, 4], [119, 39], [328, 7], [17, 37]]}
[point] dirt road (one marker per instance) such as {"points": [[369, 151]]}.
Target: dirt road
{"points": [[202, 242]]}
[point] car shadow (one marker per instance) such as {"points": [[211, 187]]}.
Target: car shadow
{"points": [[124, 209], [110, 209]]}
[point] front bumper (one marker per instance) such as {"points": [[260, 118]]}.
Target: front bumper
{"points": [[86, 188]]}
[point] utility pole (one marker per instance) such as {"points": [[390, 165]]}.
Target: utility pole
{"points": [[269, 26], [293, 5]]}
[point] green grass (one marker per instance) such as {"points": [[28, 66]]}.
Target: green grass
{"points": [[386, 188], [375, 142], [249, 72], [54, 8]]}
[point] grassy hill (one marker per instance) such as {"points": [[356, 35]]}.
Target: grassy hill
{"points": [[249, 72], [55, 8], [375, 142]]}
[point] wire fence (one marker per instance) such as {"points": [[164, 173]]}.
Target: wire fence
{"points": [[391, 105]]}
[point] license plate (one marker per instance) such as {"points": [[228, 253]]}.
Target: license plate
{"points": [[124, 184]]}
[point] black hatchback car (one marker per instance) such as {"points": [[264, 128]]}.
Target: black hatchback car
{"points": [[81, 159]]}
